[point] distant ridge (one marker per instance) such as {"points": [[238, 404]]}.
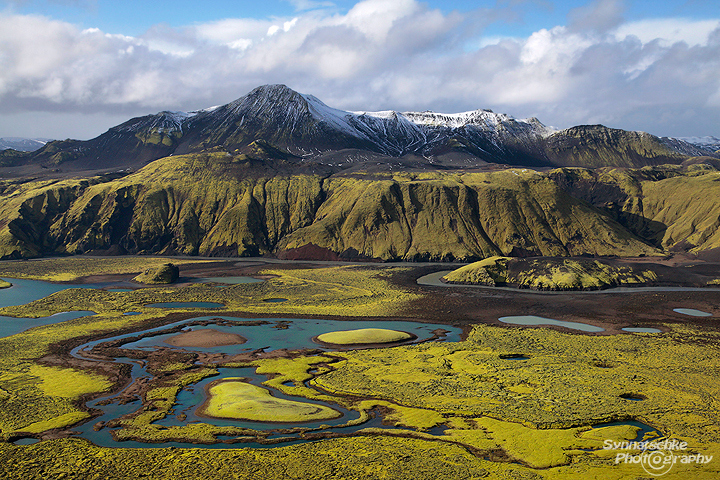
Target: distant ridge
{"points": [[303, 130], [23, 144]]}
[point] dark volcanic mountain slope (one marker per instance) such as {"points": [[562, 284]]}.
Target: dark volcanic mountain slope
{"points": [[599, 146], [303, 126], [276, 114], [204, 204]]}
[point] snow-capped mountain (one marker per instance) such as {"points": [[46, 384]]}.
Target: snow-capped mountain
{"points": [[22, 144], [711, 144], [309, 131], [306, 126]]}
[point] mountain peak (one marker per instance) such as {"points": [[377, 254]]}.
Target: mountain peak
{"points": [[272, 89]]}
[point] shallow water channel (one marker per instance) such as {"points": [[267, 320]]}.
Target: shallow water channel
{"points": [[26, 291], [277, 333]]}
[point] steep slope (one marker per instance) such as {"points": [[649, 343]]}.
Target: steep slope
{"points": [[205, 204], [674, 208], [599, 146], [447, 217]]}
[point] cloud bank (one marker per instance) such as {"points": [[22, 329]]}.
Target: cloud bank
{"points": [[661, 76]]}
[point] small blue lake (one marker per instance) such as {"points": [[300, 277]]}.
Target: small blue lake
{"points": [[534, 320], [26, 291], [692, 312], [642, 330]]}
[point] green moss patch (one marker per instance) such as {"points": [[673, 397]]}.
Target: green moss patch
{"points": [[549, 274], [238, 400], [364, 336]]}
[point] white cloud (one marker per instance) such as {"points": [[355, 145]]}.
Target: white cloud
{"points": [[379, 55], [669, 31], [285, 28], [232, 29], [375, 18]]}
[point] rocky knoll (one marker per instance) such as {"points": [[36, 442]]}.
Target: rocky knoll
{"points": [[162, 275]]}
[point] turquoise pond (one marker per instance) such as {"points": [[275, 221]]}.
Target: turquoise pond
{"points": [[26, 291], [534, 320], [642, 330], [692, 312]]}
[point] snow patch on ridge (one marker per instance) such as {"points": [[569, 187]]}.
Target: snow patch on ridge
{"points": [[712, 143]]}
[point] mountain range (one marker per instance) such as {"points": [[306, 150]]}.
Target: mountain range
{"points": [[23, 144], [280, 173], [301, 130]]}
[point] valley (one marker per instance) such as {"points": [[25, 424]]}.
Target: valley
{"points": [[275, 288], [469, 394]]}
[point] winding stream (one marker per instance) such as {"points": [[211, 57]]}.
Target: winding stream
{"points": [[276, 333], [269, 336]]}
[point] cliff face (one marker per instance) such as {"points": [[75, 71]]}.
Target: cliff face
{"points": [[206, 205], [672, 207]]}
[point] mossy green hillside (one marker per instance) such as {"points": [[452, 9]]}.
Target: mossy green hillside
{"points": [[549, 274], [193, 204], [460, 216], [670, 206]]}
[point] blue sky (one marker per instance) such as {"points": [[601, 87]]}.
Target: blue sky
{"points": [[134, 17], [73, 68]]}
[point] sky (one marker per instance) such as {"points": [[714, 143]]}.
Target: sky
{"points": [[74, 68]]}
